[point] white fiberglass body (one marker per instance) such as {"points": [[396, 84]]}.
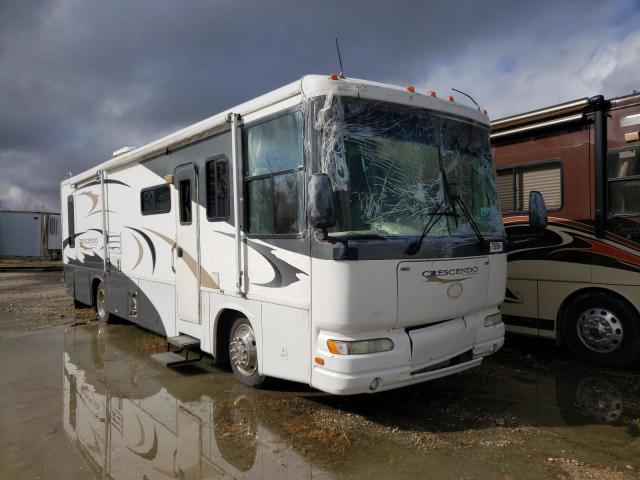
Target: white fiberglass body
{"points": [[210, 223]]}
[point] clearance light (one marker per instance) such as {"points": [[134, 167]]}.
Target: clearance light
{"points": [[485, 112], [411, 88], [319, 360], [334, 76], [360, 347], [493, 320], [450, 98], [431, 93]]}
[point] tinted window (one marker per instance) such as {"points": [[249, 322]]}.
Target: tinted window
{"points": [[260, 206], [184, 188], [71, 223], [273, 157], [287, 197], [623, 167], [217, 172], [274, 146], [155, 200]]}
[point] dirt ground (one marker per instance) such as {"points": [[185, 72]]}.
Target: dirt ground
{"points": [[87, 398]]}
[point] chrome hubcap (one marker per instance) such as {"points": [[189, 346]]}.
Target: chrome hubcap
{"points": [[599, 330], [101, 301], [242, 350]]}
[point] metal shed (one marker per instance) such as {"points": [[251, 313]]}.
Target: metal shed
{"points": [[30, 234]]}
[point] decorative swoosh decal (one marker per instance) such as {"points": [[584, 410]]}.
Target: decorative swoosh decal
{"points": [[152, 247], [97, 182], [284, 273], [94, 200], [140, 252], [152, 452], [205, 278]]}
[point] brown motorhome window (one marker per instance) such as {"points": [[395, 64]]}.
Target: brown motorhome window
{"points": [[515, 183], [184, 190], [155, 200], [273, 155], [71, 223], [623, 167], [217, 171]]}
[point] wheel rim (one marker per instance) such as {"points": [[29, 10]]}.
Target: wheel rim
{"points": [[242, 350], [101, 302], [600, 330]]}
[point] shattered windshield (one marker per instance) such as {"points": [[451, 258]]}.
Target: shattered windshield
{"points": [[386, 163]]}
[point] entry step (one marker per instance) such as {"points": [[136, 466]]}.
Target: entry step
{"points": [[183, 341], [173, 359]]}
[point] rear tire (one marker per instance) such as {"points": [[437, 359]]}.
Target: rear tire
{"points": [[101, 304], [243, 353], [602, 328]]}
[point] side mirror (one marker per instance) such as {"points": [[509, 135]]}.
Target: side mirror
{"points": [[537, 211], [321, 208]]}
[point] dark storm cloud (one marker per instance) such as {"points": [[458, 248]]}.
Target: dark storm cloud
{"points": [[81, 79]]}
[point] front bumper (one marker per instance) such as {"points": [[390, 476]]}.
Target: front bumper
{"points": [[418, 355]]}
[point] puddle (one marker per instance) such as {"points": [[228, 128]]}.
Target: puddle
{"points": [[132, 418]]}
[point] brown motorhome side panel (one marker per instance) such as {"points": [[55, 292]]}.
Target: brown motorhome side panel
{"points": [[571, 146]]}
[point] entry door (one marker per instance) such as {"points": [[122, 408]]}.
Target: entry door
{"points": [[187, 250]]}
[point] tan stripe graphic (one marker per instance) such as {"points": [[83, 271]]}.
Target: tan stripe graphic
{"points": [[206, 279]]}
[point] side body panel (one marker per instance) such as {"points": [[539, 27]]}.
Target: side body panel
{"points": [[544, 271]]}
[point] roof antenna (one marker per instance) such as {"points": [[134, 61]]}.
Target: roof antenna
{"points": [[339, 58], [467, 95]]}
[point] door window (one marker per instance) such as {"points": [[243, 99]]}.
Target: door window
{"points": [[184, 189]]}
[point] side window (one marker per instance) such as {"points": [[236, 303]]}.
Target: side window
{"points": [[154, 200], [71, 221], [184, 190], [623, 167], [273, 155], [515, 183], [217, 171]]}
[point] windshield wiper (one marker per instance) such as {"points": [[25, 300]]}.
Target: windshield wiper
{"points": [[472, 221], [436, 215]]}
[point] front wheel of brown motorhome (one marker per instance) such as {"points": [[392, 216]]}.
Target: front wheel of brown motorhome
{"points": [[243, 353], [101, 304], [602, 328]]}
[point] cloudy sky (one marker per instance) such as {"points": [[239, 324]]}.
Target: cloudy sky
{"points": [[79, 79]]}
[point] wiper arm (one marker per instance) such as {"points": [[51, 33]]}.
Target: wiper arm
{"points": [[472, 221], [436, 215]]}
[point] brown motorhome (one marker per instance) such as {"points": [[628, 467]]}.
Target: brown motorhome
{"points": [[578, 281]]}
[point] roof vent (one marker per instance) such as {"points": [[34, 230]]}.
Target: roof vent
{"points": [[122, 151]]}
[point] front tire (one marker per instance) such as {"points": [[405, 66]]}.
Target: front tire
{"points": [[602, 328], [243, 353], [101, 304]]}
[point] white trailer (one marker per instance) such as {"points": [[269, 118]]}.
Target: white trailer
{"points": [[335, 232], [28, 234]]}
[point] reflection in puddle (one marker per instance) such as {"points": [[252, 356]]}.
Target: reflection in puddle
{"points": [[132, 418]]}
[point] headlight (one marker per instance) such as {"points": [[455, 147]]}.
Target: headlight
{"points": [[360, 347], [493, 320]]}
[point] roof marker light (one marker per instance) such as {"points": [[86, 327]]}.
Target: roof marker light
{"points": [[431, 93], [411, 88], [485, 112], [450, 98], [334, 76]]}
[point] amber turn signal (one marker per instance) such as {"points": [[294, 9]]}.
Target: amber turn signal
{"points": [[319, 360]]}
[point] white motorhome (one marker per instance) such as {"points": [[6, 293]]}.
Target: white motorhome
{"points": [[336, 232]]}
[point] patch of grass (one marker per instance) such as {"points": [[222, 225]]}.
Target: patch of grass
{"points": [[150, 343]]}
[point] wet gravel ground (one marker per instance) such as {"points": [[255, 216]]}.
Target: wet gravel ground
{"points": [[91, 400]]}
